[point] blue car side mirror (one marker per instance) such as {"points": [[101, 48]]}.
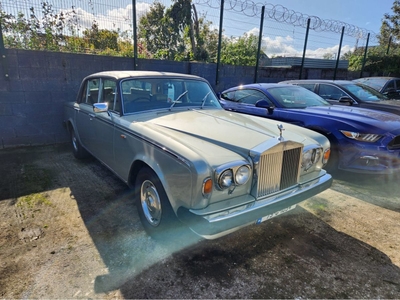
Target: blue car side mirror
{"points": [[265, 104]]}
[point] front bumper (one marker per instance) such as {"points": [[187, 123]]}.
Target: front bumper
{"points": [[217, 225], [368, 162]]}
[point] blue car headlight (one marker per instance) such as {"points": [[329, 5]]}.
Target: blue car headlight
{"points": [[362, 137]]}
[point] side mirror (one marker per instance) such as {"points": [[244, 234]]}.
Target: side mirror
{"points": [[265, 104], [100, 107], [346, 99]]}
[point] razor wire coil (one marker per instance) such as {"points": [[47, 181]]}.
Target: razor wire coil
{"points": [[282, 14]]}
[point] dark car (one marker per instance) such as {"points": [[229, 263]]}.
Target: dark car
{"points": [[362, 140], [389, 86], [346, 92]]}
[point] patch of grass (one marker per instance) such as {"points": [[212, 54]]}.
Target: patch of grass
{"points": [[32, 200], [317, 205]]}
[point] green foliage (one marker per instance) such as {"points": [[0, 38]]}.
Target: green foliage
{"points": [[49, 33], [241, 51], [383, 59], [162, 30], [174, 33], [391, 24]]}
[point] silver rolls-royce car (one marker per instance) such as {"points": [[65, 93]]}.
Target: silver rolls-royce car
{"points": [[186, 158]]}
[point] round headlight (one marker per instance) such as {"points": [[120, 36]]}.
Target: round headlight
{"points": [[310, 157], [226, 179], [242, 175]]}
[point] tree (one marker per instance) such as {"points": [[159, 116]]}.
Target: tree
{"points": [[160, 33], [101, 39], [328, 56], [177, 33], [240, 51], [391, 25]]}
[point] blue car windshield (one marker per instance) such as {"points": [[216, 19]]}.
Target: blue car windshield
{"points": [[296, 97], [364, 93], [142, 94]]}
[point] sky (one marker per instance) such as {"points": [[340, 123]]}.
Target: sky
{"points": [[278, 39], [365, 14]]}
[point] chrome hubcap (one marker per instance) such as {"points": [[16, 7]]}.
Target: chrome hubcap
{"points": [[151, 203], [74, 141]]}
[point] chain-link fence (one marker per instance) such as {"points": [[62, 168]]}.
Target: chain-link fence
{"points": [[92, 26]]}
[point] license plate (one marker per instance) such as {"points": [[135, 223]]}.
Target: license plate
{"points": [[277, 213]]}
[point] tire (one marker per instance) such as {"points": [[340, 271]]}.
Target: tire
{"points": [[153, 206], [77, 149]]}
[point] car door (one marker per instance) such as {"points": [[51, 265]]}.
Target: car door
{"points": [[84, 113], [102, 124], [244, 101]]}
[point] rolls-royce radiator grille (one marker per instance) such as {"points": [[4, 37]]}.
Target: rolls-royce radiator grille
{"points": [[278, 171]]}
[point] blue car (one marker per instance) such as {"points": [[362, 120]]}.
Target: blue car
{"points": [[362, 140]]}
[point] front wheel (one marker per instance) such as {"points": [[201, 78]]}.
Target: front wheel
{"points": [[152, 203]]}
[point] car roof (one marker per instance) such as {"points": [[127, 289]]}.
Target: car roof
{"points": [[130, 73], [378, 77], [319, 81], [261, 85]]}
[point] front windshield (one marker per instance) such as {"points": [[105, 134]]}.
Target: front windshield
{"points": [[296, 97], [364, 93], [141, 94]]}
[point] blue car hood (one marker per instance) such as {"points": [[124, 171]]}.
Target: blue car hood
{"points": [[355, 115]]}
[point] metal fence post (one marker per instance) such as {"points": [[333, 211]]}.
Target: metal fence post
{"points": [[365, 57], [338, 55], [259, 43], [305, 47], [134, 34], [390, 41], [3, 54], [221, 18]]}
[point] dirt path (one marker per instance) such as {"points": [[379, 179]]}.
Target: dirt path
{"points": [[68, 229]]}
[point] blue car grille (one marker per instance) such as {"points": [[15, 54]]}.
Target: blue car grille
{"points": [[395, 143], [278, 170]]}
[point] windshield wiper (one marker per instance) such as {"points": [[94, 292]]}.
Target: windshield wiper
{"points": [[177, 99], [203, 101]]}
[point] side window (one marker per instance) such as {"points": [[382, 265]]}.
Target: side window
{"points": [[390, 85], [397, 85], [308, 86], [93, 91], [228, 96], [84, 93], [109, 92], [250, 96], [330, 92]]}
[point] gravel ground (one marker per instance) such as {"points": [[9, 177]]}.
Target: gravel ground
{"points": [[69, 229]]}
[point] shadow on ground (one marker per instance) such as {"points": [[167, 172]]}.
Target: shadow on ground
{"points": [[295, 255]]}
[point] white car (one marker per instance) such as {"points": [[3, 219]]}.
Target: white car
{"points": [[186, 158]]}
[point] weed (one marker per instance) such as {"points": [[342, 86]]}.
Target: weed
{"points": [[30, 201]]}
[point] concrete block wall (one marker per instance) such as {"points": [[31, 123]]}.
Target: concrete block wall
{"points": [[35, 84]]}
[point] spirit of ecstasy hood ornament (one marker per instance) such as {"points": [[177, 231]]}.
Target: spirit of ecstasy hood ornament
{"points": [[281, 129]]}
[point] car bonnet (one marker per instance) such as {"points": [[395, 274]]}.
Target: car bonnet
{"points": [[355, 115], [216, 126]]}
